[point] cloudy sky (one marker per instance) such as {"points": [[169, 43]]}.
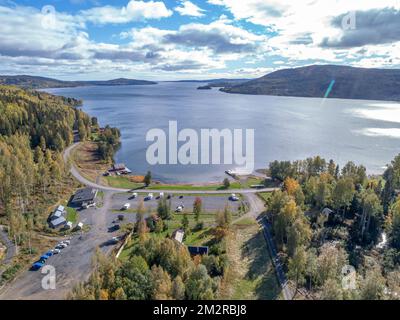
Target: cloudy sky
{"points": [[197, 39]]}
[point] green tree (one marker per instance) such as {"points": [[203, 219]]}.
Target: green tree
{"points": [[297, 266], [147, 178], [197, 208], [226, 183]]}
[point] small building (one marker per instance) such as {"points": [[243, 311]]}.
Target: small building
{"points": [[57, 219], [84, 196], [327, 212], [178, 235], [68, 226], [58, 222], [198, 251], [120, 168]]}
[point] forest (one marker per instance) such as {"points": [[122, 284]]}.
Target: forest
{"points": [[327, 220], [35, 127]]}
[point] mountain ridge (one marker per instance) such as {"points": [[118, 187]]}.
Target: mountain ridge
{"points": [[37, 82], [314, 81]]}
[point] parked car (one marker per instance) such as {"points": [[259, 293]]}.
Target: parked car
{"points": [[233, 197], [37, 265], [114, 228], [149, 197], [121, 217], [126, 206], [114, 240], [134, 195], [67, 242], [56, 251], [44, 257], [49, 253], [61, 246], [88, 205], [179, 209]]}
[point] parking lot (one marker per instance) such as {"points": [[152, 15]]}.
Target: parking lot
{"points": [[211, 203]]}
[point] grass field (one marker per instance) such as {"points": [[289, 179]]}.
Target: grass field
{"points": [[87, 161], [265, 196], [122, 182], [72, 215], [251, 275]]}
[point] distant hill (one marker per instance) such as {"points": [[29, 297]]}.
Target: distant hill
{"points": [[33, 82], [214, 81], [314, 81]]}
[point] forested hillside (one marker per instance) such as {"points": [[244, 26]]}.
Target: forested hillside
{"points": [[327, 221], [34, 128]]}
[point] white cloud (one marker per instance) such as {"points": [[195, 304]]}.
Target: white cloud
{"points": [[188, 8], [302, 26], [134, 11]]}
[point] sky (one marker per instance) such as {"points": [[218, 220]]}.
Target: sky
{"points": [[196, 39]]}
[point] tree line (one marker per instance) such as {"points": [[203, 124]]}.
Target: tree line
{"points": [[327, 217]]}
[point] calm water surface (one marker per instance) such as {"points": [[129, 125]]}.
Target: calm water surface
{"points": [[367, 132]]}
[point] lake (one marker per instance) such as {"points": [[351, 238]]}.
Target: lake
{"points": [[366, 132]]}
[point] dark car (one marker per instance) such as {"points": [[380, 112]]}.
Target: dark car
{"points": [[114, 228], [37, 265]]}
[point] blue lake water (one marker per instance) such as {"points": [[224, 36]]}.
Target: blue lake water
{"points": [[367, 132]]}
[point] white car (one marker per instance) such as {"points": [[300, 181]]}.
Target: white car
{"points": [[179, 209], [88, 205], [134, 195], [233, 197], [126, 206], [67, 242], [61, 246], [149, 197], [56, 251], [161, 195]]}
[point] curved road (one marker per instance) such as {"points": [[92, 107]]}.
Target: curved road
{"points": [[75, 172], [74, 264]]}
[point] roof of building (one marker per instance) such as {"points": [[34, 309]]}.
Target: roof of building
{"points": [[198, 250], [60, 208], [56, 214], [178, 235], [83, 195], [327, 211], [119, 166], [57, 222]]}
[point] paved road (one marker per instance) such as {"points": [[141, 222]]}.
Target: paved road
{"points": [[257, 207], [83, 180], [287, 293], [9, 245], [72, 265]]}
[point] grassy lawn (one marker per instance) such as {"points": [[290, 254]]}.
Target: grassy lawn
{"points": [[86, 159], [246, 222], [265, 196], [72, 215], [198, 238], [251, 181], [251, 275], [122, 182]]}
